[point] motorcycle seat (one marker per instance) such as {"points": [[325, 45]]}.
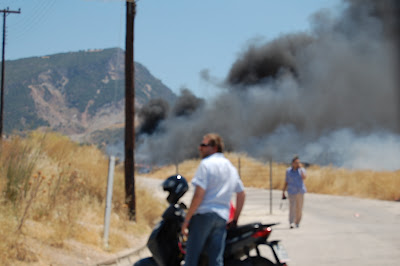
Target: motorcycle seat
{"points": [[243, 229]]}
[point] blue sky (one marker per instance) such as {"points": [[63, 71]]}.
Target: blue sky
{"points": [[175, 39]]}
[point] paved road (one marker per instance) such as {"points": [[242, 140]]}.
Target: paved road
{"points": [[334, 231]]}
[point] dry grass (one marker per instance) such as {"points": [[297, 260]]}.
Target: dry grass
{"points": [[361, 183], [325, 180], [53, 190]]}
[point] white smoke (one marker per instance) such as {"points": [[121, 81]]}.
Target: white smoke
{"points": [[378, 151]]}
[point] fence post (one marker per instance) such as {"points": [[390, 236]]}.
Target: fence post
{"points": [[270, 185], [110, 181]]}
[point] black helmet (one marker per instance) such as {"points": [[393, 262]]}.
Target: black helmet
{"points": [[176, 185]]}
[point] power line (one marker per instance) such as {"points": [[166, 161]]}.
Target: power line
{"points": [[5, 13], [33, 17]]}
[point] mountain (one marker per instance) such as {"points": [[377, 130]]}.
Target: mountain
{"points": [[76, 93]]}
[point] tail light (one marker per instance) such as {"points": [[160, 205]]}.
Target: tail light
{"points": [[262, 233], [181, 248], [182, 239]]}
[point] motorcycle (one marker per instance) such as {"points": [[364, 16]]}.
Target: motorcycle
{"points": [[167, 244]]}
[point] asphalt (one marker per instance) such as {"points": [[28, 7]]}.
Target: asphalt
{"points": [[335, 230]]}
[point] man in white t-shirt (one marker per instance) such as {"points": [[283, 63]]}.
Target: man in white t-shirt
{"points": [[216, 180]]}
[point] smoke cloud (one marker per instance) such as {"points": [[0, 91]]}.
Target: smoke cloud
{"points": [[151, 115], [268, 61], [329, 95], [187, 103]]}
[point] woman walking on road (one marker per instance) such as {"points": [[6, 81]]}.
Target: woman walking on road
{"points": [[294, 183]]}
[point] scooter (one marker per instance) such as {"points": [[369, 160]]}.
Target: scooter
{"points": [[167, 244]]}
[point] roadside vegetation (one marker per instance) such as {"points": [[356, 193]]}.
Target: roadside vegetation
{"points": [[53, 193], [383, 185]]}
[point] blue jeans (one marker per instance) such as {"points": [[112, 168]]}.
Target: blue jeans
{"points": [[206, 230]]}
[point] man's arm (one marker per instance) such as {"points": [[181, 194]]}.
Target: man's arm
{"points": [[196, 201], [240, 197]]}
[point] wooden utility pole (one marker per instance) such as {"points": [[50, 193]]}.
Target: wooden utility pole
{"points": [[130, 197], [5, 12]]}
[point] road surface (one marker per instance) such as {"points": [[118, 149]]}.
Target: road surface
{"points": [[335, 230]]}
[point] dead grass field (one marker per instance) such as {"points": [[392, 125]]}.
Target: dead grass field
{"points": [[323, 180], [53, 193]]}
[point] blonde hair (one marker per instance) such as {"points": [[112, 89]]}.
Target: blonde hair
{"points": [[215, 140]]}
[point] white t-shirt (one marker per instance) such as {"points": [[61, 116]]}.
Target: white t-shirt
{"points": [[220, 179]]}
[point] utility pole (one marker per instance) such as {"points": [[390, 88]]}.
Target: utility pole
{"points": [[5, 12], [130, 197]]}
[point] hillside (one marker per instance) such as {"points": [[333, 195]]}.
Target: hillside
{"points": [[75, 93]]}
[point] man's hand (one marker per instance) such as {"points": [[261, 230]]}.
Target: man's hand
{"points": [[184, 229], [231, 224], [283, 195]]}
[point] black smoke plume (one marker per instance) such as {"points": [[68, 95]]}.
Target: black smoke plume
{"points": [[151, 115], [330, 95], [260, 63], [156, 111], [187, 103]]}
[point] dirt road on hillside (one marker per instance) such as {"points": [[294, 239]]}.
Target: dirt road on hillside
{"points": [[334, 231]]}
